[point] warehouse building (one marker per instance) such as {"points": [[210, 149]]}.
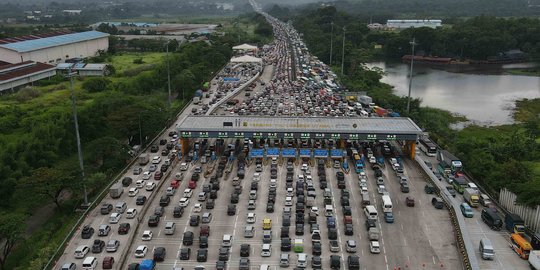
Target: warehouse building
{"points": [[53, 49], [13, 76]]}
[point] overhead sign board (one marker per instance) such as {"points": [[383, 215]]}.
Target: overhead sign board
{"points": [[290, 135], [272, 152], [288, 152], [305, 152], [256, 153], [336, 153], [320, 153]]}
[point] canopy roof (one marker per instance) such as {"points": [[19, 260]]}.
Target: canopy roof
{"points": [[246, 59], [246, 47]]}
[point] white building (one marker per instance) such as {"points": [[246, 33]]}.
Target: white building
{"points": [[402, 24], [53, 49]]}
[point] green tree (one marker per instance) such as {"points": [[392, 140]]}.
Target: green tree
{"points": [[12, 227], [185, 81], [96, 84], [47, 182]]}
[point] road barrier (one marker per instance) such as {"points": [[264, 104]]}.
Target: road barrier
{"points": [[465, 246]]}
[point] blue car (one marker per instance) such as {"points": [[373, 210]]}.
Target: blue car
{"points": [[466, 210], [389, 217], [331, 222]]}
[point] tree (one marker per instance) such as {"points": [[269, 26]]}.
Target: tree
{"points": [[96, 84], [185, 81], [47, 182], [11, 231]]}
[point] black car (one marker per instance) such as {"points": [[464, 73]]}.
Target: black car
{"points": [[178, 211], [244, 250], [188, 238], [347, 211], [370, 223], [345, 202], [324, 184], [285, 244], [203, 241], [202, 255], [164, 201], [335, 262], [154, 148], [164, 168], [127, 181], [159, 254], [284, 231], [234, 198], [185, 253], [165, 152], [153, 221], [332, 234], [194, 220], [341, 184], [140, 200], [299, 230], [223, 254], [316, 262], [349, 229], [210, 203], [340, 176], [231, 210], [87, 232], [270, 208], [317, 248], [123, 228], [163, 142], [254, 186], [98, 246], [213, 194], [221, 265], [286, 220]]}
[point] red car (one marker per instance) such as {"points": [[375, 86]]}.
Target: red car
{"points": [[158, 175], [175, 184], [192, 184], [123, 228]]}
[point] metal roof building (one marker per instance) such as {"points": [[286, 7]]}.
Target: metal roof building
{"points": [[13, 76], [53, 49], [372, 128]]}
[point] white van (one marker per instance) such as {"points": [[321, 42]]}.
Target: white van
{"points": [[90, 263], [328, 210], [302, 260], [120, 207], [486, 249], [371, 212], [169, 228], [227, 240]]}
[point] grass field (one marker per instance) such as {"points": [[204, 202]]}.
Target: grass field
{"points": [[125, 61]]}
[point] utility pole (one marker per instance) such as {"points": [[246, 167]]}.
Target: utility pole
{"points": [[343, 53], [168, 76], [76, 122], [331, 43], [140, 132], [413, 43]]}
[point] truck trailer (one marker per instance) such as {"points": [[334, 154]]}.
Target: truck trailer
{"points": [[449, 165], [514, 223], [471, 196], [143, 159], [116, 190]]}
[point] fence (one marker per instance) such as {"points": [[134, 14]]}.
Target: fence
{"points": [[530, 215]]}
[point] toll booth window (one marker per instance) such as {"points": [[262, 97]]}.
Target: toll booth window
{"points": [[227, 124]]}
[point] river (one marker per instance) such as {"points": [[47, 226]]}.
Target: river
{"points": [[484, 99]]}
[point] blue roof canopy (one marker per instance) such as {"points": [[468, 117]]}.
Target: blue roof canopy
{"points": [[37, 44]]}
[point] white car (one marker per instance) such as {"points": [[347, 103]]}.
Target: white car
{"points": [[114, 218], [183, 202], [133, 192], [146, 175], [273, 183], [288, 201], [374, 247], [362, 175], [251, 218], [256, 177], [184, 166], [150, 186], [197, 208], [364, 190], [315, 210], [290, 192], [156, 160], [266, 250], [381, 189], [188, 192], [350, 246], [141, 251], [170, 191], [147, 235], [363, 183], [131, 213], [140, 183], [304, 167]]}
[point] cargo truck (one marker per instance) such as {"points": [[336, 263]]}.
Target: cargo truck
{"points": [[143, 159], [471, 196], [449, 165], [366, 101], [534, 259], [116, 190], [514, 223]]}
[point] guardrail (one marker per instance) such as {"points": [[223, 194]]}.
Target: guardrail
{"points": [[100, 197], [465, 245]]}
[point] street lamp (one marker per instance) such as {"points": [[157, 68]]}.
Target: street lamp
{"points": [[331, 42], [76, 122], [413, 43], [343, 53]]}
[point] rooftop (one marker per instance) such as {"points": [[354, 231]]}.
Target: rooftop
{"points": [[46, 42], [399, 126], [14, 71]]}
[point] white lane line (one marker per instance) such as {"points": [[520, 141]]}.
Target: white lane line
{"points": [[433, 259], [402, 227]]}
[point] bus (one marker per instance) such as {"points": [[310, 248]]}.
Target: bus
{"points": [[428, 147], [521, 246], [459, 184], [386, 203]]}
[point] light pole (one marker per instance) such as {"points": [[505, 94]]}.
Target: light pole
{"points": [[76, 122], [331, 42], [343, 53], [168, 75], [413, 43]]}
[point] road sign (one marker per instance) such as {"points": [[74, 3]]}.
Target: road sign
{"points": [[256, 153], [336, 153], [288, 152], [272, 152], [305, 152], [320, 153]]}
